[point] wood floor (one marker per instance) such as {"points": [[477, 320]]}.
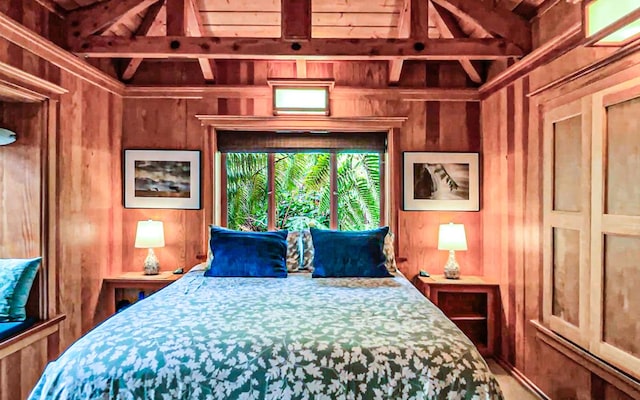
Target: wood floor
{"points": [[511, 388]]}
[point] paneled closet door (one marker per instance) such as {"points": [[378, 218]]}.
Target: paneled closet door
{"points": [[615, 270], [566, 211]]}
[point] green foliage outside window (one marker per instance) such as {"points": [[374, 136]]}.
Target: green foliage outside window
{"points": [[302, 185]]}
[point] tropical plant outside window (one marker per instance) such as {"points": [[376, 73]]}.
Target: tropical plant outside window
{"points": [[303, 190]]}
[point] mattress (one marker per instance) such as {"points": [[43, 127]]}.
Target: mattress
{"points": [[261, 338]]}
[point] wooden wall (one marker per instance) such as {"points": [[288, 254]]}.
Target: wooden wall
{"points": [[432, 126], [87, 174], [512, 218], [20, 183]]}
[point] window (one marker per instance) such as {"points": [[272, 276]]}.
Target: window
{"points": [[592, 223], [301, 180]]}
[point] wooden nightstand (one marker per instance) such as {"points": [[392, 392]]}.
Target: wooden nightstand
{"points": [[135, 280], [471, 302]]}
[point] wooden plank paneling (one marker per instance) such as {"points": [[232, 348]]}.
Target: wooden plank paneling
{"points": [[20, 190]]}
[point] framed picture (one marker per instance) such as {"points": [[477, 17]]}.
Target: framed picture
{"points": [[162, 179], [441, 181]]}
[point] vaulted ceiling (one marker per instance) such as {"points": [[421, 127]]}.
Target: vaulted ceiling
{"points": [[464, 30]]}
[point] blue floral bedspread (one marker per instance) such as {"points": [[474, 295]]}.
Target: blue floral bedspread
{"points": [[293, 338]]}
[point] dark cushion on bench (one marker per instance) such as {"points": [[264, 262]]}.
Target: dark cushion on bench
{"points": [[8, 329]]}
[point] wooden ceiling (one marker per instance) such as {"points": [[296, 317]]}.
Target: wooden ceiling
{"points": [[461, 30]]}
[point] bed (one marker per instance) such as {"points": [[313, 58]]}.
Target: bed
{"points": [[261, 338]]}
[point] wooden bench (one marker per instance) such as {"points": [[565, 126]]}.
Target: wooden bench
{"points": [[24, 356]]}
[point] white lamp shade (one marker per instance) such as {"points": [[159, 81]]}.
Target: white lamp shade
{"points": [[149, 234], [452, 237]]}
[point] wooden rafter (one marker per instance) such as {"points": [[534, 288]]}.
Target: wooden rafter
{"points": [[194, 28], [419, 20], [497, 20], [449, 29], [301, 69], [404, 20], [176, 17], [296, 20], [316, 49], [97, 17], [395, 70], [147, 27]]}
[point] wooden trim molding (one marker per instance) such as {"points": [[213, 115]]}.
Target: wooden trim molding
{"points": [[37, 332], [598, 65], [26, 80], [339, 92], [612, 375], [36, 44], [561, 44], [278, 49], [301, 122], [521, 378]]}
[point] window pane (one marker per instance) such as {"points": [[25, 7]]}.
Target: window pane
{"points": [[247, 199], [302, 190], [358, 191]]}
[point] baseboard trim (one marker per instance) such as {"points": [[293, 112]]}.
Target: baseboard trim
{"points": [[521, 378]]}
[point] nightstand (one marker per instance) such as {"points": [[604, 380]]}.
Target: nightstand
{"points": [[135, 280], [471, 302]]}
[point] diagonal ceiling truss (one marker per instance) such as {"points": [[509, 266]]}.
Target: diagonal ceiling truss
{"points": [[467, 31]]}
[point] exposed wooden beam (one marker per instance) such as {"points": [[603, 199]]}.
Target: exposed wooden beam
{"points": [[559, 45], [53, 7], [497, 20], [419, 20], [296, 20], [176, 17], [449, 29], [147, 27], [404, 20], [301, 69], [338, 92], [194, 28], [100, 16], [23, 37], [395, 70], [276, 49]]}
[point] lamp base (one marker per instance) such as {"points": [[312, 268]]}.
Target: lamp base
{"points": [[151, 264], [452, 268]]}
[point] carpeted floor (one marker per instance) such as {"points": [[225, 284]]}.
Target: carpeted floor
{"points": [[511, 388]]}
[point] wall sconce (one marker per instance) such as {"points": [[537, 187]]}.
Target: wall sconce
{"points": [[300, 97], [611, 22], [7, 137]]}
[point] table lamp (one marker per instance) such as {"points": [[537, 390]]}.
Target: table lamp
{"points": [[149, 235], [452, 237]]}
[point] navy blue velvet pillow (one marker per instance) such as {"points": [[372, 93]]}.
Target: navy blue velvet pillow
{"points": [[349, 254], [247, 254]]}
